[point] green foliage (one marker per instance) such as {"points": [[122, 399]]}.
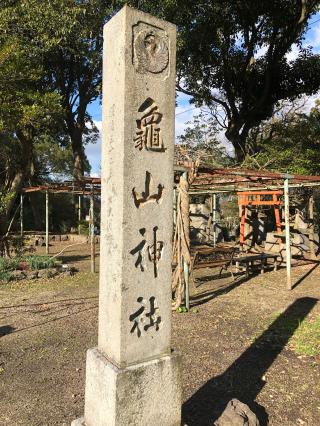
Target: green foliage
{"points": [[52, 159], [181, 309], [232, 56], [5, 276], [26, 102], [34, 142], [29, 105], [4, 199], [40, 262], [199, 141], [290, 143], [34, 262], [74, 69], [9, 264], [51, 68], [84, 227]]}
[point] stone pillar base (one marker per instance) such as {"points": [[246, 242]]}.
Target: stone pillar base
{"points": [[143, 394], [78, 422]]}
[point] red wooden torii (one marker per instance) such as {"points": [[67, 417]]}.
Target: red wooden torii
{"points": [[259, 198]]}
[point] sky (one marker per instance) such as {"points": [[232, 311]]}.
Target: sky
{"points": [[185, 111]]}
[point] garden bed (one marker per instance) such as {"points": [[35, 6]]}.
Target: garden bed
{"points": [[31, 267]]}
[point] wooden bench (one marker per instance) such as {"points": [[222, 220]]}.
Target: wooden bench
{"points": [[223, 254], [248, 262]]}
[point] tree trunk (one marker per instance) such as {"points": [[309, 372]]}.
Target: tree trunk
{"points": [[239, 150], [239, 145], [76, 125], [17, 182], [14, 190], [77, 149], [237, 134]]}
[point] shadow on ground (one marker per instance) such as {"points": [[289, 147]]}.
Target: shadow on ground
{"points": [[6, 329], [50, 311], [70, 258], [203, 297], [51, 302], [304, 276], [243, 379]]}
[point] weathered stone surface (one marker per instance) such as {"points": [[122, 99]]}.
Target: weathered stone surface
{"points": [[136, 205], [132, 378], [47, 273], [67, 270], [237, 414], [78, 422], [141, 394], [18, 275], [32, 275]]}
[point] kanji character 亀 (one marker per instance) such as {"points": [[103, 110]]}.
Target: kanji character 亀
{"points": [[148, 133]]}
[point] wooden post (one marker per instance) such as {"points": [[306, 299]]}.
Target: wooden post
{"points": [[92, 239], [79, 214], [209, 223], [287, 233], [174, 208], [214, 218], [21, 215], [311, 228], [278, 220], [242, 226], [47, 222], [186, 278], [186, 267]]}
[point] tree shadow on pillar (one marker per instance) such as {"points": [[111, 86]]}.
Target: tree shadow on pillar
{"points": [[243, 379]]}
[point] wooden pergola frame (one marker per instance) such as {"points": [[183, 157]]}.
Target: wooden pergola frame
{"points": [[202, 181], [88, 186], [212, 181]]}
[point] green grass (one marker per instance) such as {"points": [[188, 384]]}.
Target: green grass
{"points": [[306, 339], [300, 335]]}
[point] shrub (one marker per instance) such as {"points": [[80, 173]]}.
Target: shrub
{"points": [[5, 276], [40, 262], [9, 264]]}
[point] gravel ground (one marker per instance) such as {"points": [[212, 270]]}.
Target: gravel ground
{"points": [[235, 342]]}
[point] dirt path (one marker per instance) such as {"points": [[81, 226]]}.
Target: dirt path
{"points": [[234, 344]]}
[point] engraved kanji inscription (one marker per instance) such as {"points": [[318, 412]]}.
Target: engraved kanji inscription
{"points": [[148, 132], [146, 197], [140, 251], [155, 251], [143, 321], [148, 251]]}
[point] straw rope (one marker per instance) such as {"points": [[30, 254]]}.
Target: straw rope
{"points": [[181, 243]]}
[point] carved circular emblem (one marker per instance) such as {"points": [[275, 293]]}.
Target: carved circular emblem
{"points": [[151, 51]]}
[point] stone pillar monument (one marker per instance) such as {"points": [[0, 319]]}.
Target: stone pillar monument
{"points": [[133, 377]]}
